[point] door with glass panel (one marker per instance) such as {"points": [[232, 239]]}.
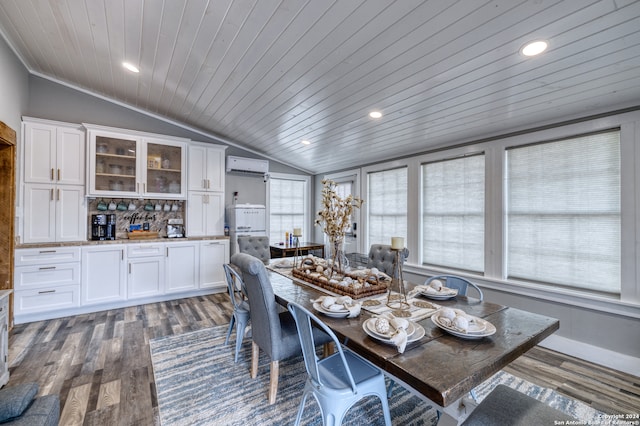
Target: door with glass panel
{"points": [[348, 183]]}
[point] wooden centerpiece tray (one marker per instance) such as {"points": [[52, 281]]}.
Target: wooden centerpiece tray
{"points": [[361, 282], [142, 235]]}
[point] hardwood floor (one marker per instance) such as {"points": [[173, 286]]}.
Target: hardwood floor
{"points": [[99, 363]]}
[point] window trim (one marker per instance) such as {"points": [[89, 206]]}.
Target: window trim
{"points": [[306, 227]]}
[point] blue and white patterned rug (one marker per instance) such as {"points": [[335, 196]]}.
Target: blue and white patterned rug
{"points": [[198, 383]]}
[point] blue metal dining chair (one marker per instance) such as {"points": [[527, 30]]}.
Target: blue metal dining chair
{"points": [[459, 283], [339, 380], [241, 310]]}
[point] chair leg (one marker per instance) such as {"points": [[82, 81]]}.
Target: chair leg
{"points": [[301, 407], [239, 338], [328, 349], [231, 322], [273, 381], [255, 353]]}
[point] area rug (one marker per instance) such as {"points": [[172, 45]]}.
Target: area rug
{"points": [[197, 383]]}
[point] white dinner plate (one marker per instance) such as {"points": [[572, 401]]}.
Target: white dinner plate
{"points": [[333, 314], [369, 325], [448, 293], [480, 329]]}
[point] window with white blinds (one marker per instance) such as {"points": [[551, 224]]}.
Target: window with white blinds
{"points": [[387, 205], [453, 213], [563, 212], [288, 201]]}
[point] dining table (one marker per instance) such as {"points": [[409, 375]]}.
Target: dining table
{"points": [[440, 368]]}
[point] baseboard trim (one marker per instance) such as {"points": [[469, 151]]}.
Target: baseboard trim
{"points": [[610, 359]]}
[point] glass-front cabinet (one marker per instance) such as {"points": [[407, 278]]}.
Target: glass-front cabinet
{"points": [[129, 164]]}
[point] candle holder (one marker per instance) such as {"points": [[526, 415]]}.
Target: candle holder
{"points": [[296, 253], [398, 302]]}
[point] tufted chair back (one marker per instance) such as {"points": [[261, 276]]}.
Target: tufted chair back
{"points": [[382, 257], [255, 246]]}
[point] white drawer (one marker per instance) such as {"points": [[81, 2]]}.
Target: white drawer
{"points": [[24, 257], [47, 275], [43, 300], [145, 250]]}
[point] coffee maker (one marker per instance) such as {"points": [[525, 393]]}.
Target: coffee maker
{"points": [[175, 228], [103, 227]]}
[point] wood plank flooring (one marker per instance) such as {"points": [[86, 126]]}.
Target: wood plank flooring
{"points": [[99, 363]]}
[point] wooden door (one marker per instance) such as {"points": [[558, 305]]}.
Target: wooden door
{"points": [[7, 212]]}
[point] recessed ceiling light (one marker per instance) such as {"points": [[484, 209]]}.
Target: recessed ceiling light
{"points": [[534, 48], [130, 67], [305, 142], [375, 114]]}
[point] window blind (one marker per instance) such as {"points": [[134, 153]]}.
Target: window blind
{"points": [[286, 207], [563, 212], [453, 213], [387, 205]]}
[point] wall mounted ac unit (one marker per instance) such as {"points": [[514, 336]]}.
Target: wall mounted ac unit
{"points": [[249, 166]]}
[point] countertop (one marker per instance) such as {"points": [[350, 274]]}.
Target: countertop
{"points": [[118, 241]]}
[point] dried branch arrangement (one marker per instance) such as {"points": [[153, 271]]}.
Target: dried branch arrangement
{"points": [[335, 216]]}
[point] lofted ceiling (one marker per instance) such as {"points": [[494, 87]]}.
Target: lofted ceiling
{"points": [[267, 74]]}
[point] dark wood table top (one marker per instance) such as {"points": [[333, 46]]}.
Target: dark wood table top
{"points": [[442, 367]]}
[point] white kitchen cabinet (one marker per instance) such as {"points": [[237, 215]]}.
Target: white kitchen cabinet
{"points": [[103, 274], [146, 273], [54, 176], [54, 153], [213, 254], [46, 280], [54, 213], [205, 214], [129, 164], [206, 167], [181, 266]]}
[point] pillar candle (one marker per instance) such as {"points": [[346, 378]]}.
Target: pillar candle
{"points": [[397, 243]]}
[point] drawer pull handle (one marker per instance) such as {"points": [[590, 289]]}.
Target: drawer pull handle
{"points": [[47, 251], [46, 291], [43, 268]]}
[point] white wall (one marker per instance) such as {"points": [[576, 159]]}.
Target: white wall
{"points": [[14, 87]]}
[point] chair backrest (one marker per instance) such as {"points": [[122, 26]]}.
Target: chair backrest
{"points": [[265, 330], [255, 246], [459, 283], [381, 256], [304, 320], [235, 285]]}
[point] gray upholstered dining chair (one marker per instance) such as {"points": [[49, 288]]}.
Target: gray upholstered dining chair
{"points": [[241, 309], [256, 246], [271, 330], [337, 381], [459, 283], [381, 256]]}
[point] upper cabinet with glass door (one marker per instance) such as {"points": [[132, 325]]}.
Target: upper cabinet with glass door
{"points": [[164, 171], [131, 164]]}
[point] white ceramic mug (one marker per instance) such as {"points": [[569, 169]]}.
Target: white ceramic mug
{"points": [[167, 207], [112, 205], [132, 206]]}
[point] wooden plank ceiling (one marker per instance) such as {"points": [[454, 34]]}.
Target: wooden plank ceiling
{"points": [[267, 74]]}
